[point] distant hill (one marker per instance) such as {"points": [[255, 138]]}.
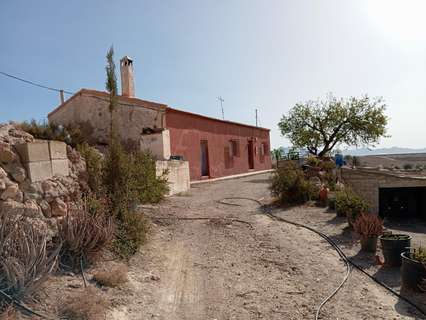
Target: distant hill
{"points": [[382, 151]]}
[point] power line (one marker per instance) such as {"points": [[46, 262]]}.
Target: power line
{"points": [[35, 84]]}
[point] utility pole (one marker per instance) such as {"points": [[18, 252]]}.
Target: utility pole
{"points": [[256, 116], [221, 106]]}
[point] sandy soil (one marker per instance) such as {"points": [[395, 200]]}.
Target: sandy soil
{"points": [[236, 263], [336, 227], [226, 269]]}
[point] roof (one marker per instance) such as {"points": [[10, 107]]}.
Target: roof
{"points": [[216, 119], [143, 103], [105, 96]]}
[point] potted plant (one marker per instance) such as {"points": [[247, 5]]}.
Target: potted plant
{"points": [[413, 268], [392, 246], [369, 227]]}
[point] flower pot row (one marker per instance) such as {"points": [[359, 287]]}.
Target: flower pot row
{"points": [[396, 251]]}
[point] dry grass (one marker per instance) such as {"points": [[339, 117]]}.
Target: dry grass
{"points": [[113, 277], [368, 224], [25, 260], [9, 314], [88, 304], [84, 233]]}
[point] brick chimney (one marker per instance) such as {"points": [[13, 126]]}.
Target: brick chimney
{"points": [[127, 79]]}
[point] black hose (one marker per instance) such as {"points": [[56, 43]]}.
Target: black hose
{"points": [[339, 251]]}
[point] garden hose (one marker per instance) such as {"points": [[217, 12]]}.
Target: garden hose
{"points": [[347, 261]]}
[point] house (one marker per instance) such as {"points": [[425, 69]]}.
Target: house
{"points": [[212, 147]]}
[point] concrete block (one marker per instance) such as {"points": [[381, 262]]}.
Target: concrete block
{"points": [[158, 144], [178, 174], [57, 150], [35, 151], [39, 171], [60, 167]]}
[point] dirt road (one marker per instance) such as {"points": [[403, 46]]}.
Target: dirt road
{"points": [[240, 264]]}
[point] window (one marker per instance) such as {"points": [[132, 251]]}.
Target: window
{"points": [[263, 151], [234, 148]]}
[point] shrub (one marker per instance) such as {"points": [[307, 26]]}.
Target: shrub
{"points": [[85, 232], [88, 304], [131, 234], [419, 254], [70, 134], [367, 225], [25, 260], [148, 187], [112, 277], [313, 161], [331, 202], [289, 185], [408, 166], [350, 205], [94, 167]]}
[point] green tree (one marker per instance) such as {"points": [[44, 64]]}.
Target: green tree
{"points": [[111, 86], [321, 125], [277, 153]]}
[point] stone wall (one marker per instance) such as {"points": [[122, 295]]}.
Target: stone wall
{"points": [[90, 110], [38, 179], [367, 183], [178, 174]]}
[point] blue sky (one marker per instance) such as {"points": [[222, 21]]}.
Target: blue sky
{"points": [[255, 54]]}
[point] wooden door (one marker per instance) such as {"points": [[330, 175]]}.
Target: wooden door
{"points": [[204, 158], [250, 154]]}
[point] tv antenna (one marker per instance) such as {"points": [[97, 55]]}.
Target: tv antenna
{"points": [[221, 100]]}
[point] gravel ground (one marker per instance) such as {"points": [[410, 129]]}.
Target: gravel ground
{"points": [[253, 268], [336, 227], [205, 260]]}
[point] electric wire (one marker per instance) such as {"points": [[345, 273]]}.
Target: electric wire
{"points": [[34, 83]]}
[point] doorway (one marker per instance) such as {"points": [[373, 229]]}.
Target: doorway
{"points": [[205, 170], [402, 203], [250, 154]]}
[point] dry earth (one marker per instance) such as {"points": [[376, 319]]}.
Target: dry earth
{"points": [[225, 269], [234, 262]]}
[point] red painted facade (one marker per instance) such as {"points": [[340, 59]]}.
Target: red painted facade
{"points": [[216, 148]]}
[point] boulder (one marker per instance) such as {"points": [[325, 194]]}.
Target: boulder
{"points": [[6, 155], [18, 173], [2, 184], [59, 208], [12, 207], [3, 174], [31, 209], [11, 192], [45, 208]]}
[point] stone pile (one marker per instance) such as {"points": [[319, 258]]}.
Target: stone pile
{"points": [[46, 200]]}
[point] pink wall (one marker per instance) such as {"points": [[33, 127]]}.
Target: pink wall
{"points": [[187, 130]]}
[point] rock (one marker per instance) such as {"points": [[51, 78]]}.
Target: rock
{"points": [[18, 173], [2, 184], [6, 155], [59, 208], [3, 173], [10, 192], [32, 210], [45, 208], [12, 207]]}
